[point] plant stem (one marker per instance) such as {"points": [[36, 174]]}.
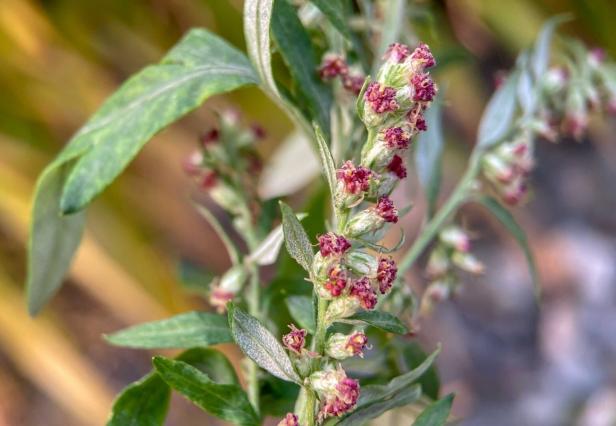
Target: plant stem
{"points": [[457, 198], [307, 415], [254, 308]]}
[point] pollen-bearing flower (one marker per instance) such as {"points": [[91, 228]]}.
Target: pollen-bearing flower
{"points": [[331, 244], [424, 88], [332, 66], [337, 392], [386, 274], [340, 346], [336, 282], [373, 218], [289, 420], [364, 293], [295, 340]]}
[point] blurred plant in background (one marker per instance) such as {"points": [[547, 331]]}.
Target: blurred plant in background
{"points": [[114, 267]]}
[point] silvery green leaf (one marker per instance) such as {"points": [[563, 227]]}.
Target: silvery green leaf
{"points": [[142, 403], [257, 18], [267, 252], [301, 309], [295, 237], [527, 92], [181, 331], [383, 320], [220, 231], [541, 54], [327, 160], [436, 414], [497, 119], [225, 401], [260, 345], [506, 218], [292, 166], [428, 154], [53, 238]]}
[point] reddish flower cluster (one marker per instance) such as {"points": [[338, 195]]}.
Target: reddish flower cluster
{"points": [[423, 55], [397, 53], [289, 420], [347, 393], [334, 66], [363, 291], [397, 138], [386, 274], [396, 166], [356, 343], [386, 209], [332, 244], [381, 98], [425, 90], [295, 340], [209, 137], [336, 281], [416, 119], [355, 179]]}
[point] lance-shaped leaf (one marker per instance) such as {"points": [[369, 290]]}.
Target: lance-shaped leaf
{"points": [[257, 17], [410, 355], [436, 414], [143, 403], [428, 153], [327, 160], [497, 119], [53, 238], [295, 47], [260, 345], [334, 10], [301, 309], [295, 238], [541, 54], [146, 401], [228, 402], [199, 66], [181, 331], [267, 252], [383, 320], [505, 217]]}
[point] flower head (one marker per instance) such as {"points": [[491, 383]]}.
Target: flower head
{"points": [[289, 420], [396, 138], [363, 291], [336, 281], [340, 346], [386, 274], [425, 89], [353, 82], [396, 166], [356, 343], [386, 209], [331, 244], [332, 66], [423, 56], [354, 179], [338, 392], [397, 53], [382, 99], [295, 340]]}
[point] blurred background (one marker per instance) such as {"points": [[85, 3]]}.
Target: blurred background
{"points": [[510, 361]]}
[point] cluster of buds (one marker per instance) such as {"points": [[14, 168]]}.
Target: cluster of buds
{"points": [[451, 251], [337, 392], [508, 166], [225, 164], [335, 66]]}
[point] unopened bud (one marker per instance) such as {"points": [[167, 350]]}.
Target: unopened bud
{"points": [[340, 346], [341, 307], [362, 263], [295, 340]]}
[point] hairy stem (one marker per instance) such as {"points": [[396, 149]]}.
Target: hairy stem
{"points": [[429, 232]]}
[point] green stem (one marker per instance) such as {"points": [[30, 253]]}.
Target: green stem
{"points": [[254, 307], [307, 415], [457, 198]]}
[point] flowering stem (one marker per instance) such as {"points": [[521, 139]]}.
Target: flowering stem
{"points": [[254, 299], [457, 198]]}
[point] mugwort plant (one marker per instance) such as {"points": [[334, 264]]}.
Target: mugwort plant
{"points": [[329, 339]]}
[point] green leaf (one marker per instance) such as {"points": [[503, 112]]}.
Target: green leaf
{"points": [[267, 251], [436, 414], [428, 154], [374, 409], [211, 362], [297, 52], [199, 66], [142, 403], [228, 402], [260, 345], [334, 10], [257, 18], [498, 115], [327, 160], [53, 238], [541, 54], [296, 239], [505, 217], [302, 310], [181, 331], [409, 355], [383, 320]]}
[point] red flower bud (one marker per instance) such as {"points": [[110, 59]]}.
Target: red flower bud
{"points": [[423, 55], [295, 340], [332, 244], [386, 209], [396, 138], [425, 89], [386, 274], [397, 53], [381, 98], [356, 343], [396, 166], [337, 281], [363, 291], [332, 66], [353, 83], [355, 179]]}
